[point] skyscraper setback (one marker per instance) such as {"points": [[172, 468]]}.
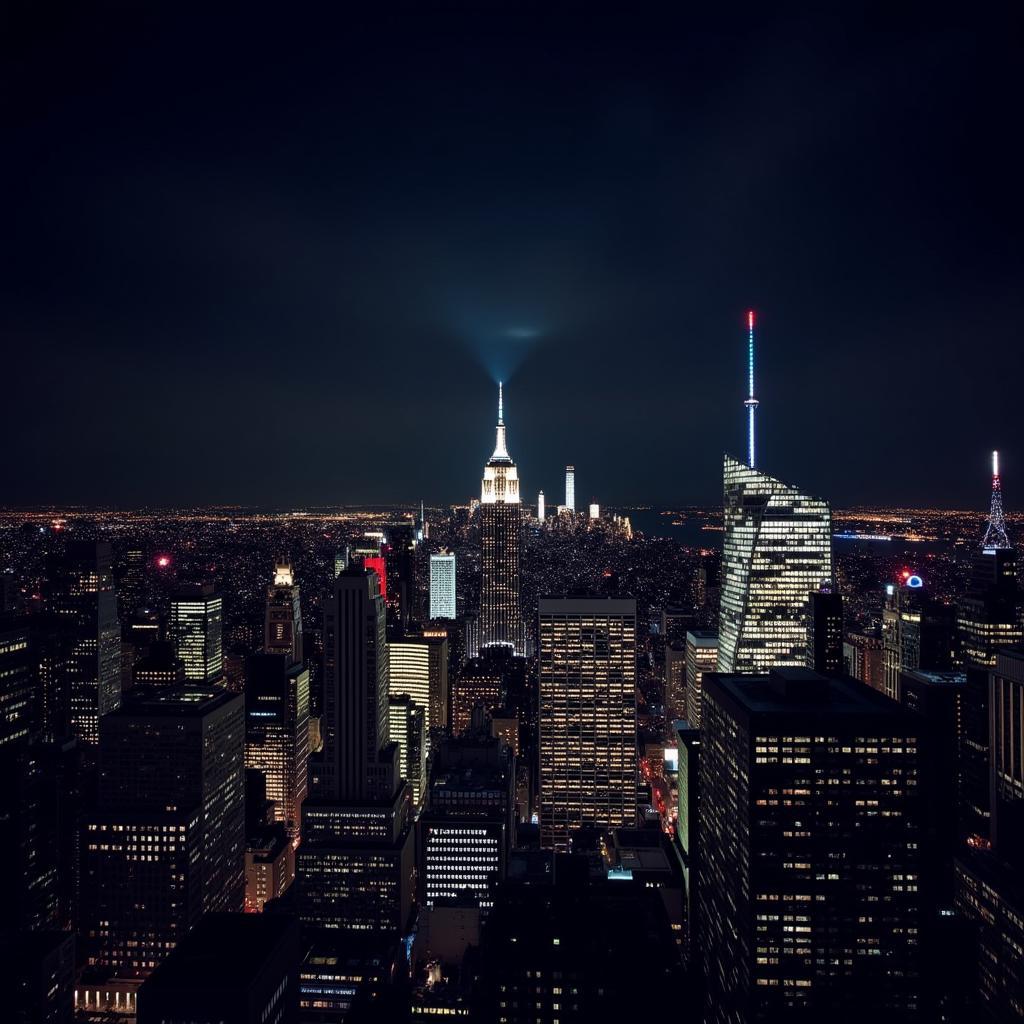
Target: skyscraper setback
{"points": [[355, 863], [500, 538]]}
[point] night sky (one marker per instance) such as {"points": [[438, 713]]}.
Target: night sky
{"points": [[269, 258]]}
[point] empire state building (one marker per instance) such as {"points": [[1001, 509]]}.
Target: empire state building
{"points": [[501, 622]]}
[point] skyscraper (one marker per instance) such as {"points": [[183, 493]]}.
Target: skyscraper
{"points": [[825, 632], [701, 657], [540, 507], [917, 633], [277, 732], [355, 867], [777, 550], [1006, 712], [442, 586], [282, 631], [500, 535], [467, 827], [570, 488], [406, 725], [809, 837], [197, 613], [988, 617], [587, 716], [87, 656], [167, 840]]}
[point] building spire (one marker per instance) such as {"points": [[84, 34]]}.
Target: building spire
{"points": [[995, 532], [751, 403], [500, 450]]}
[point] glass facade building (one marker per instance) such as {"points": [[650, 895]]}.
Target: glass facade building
{"points": [[777, 550]]}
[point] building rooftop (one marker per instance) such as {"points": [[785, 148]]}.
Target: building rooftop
{"points": [[223, 951], [174, 701], [798, 691]]}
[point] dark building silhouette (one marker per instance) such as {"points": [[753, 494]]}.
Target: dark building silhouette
{"points": [[160, 667], [166, 841], [230, 969], [574, 952], [39, 973], [988, 618], [355, 865], [825, 633], [809, 835], [84, 655]]}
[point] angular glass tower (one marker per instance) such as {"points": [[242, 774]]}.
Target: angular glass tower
{"points": [[777, 550]]}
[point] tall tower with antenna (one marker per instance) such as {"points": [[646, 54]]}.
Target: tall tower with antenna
{"points": [[751, 403], [995, 532]]}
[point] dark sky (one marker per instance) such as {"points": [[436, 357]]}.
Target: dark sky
{"points": [[281, 257]]}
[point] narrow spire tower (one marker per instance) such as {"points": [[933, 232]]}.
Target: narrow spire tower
{"points": [[995, 533], [751, 402]]}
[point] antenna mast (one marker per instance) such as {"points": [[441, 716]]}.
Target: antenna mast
{"points": [[751, 403]]}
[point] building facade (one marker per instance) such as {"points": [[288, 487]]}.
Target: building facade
{"points": [[442, 586], [801, 921], [587, 716], [701, 657], [777, 549], [196, 627], [501, 621]]}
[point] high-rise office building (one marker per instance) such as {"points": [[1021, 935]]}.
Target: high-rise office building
{"points": [[570, 488], [467, 827], [282, 629], [479, 684], [587, 716], [19, 709], [500, 536], [442, 586], [408, 729], [167, 839], [917, 633], [675, 682], [540, 507], [825, 633], [1006, 714], [809, 904], [87, 658], [418, 666], [688, 746], [990, 616], [777, 549], [354, 869], [197, 613], [595, 510], [701, 657], [277, 732]]}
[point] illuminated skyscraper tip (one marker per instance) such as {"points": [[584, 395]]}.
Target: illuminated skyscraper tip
{"points": [[751, 401], [995, 532], [501, 404]]}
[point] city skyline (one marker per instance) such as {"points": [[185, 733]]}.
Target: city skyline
{"points": [[598, 253]]}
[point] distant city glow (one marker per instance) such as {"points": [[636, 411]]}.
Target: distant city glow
{"points": [[163, 561]]}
